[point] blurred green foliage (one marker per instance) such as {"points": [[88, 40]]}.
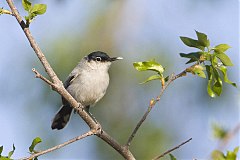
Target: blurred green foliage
{"points": [[230, 155]]}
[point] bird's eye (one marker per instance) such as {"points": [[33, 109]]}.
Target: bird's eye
{"points": [[98, 58]]}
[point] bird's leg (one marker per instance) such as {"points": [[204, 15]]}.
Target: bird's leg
{"points": [[87, 108]]}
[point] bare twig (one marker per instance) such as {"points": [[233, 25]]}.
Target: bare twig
{"points": [[89, 133], [58, 87], [38, 75], [154, 101], [170, 150], [152, 104]]}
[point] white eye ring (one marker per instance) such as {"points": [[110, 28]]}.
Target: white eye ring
{"points": [[98, 59]]}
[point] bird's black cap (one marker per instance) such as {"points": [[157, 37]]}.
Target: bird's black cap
{"points": [[101, 56]]}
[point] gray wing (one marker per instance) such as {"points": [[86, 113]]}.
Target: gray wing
{"points": [[73, 75], [69, 80]]}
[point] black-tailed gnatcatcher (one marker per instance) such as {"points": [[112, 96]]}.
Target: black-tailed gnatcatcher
{"points": [[87, 83]]}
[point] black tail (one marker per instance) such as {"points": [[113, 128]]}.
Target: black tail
{"points": [[62, 117]]}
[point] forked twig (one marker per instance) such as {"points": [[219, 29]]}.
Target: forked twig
{"points": [[152, 104], [150, 107], [38, 75]]}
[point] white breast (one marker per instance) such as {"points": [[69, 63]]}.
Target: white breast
{"points": [[91, 84]]}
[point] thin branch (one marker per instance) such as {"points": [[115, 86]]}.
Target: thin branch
{"points": [[138, 126], [121, 149], [153, 103], [58, 87], [38, 75], [150, 107], [89, 133], [34, 44], [170, 150]]}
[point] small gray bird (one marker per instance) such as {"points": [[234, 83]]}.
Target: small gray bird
{"points": [[87, 83]]}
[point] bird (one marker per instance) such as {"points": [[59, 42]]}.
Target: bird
{"points": [[87, 84]]}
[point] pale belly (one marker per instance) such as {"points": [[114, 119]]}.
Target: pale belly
{"points": [[88, 92]]}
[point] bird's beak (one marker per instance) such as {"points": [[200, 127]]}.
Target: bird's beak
{"points": [[116, 58]]}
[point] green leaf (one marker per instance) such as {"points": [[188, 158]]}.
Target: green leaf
{"points": [[217, 88], [217, 155], [192, 43], [221, 47], [199, 72], [214, 60], [223, 69], [198, 69], [210, 78], [5, 158], [209, 89], [172, 157], [232, 155], [194, 56], [1, 149], [38, 9], [202, 38], [11, 152], [236, 150], [224, 59], [217, 85], [34, 143], [153, 77], [149, 65], [26, 5]]}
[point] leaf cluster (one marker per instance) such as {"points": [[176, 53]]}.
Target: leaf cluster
{"points": [[33, 10], [213, 61], [230, 155]]}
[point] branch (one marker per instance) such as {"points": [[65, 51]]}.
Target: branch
{"points": [[38, 75], [150, 107], [33, 43], [89, 133], [58, 87], [170, 150], [154, 101]]}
